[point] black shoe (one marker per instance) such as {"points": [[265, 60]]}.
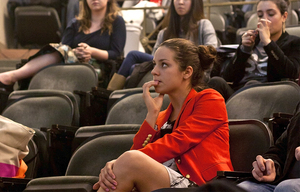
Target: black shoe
{"points": [[8, 88]]}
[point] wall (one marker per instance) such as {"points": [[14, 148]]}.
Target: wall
{"points": [[6, 32]]}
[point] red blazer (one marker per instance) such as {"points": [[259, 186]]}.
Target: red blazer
{"points": [[199, 141]]}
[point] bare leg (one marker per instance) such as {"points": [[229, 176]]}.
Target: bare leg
{"points": [[30, 68], [136, 169]]}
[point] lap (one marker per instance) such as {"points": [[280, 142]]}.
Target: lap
{"points": [[288, 185], [254, 187], [177, 180]]}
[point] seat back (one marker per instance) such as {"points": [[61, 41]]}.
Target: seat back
{"points": [[217, 21], [248, 138], [116, 95], [67, 77], [225, 10], [147, 77], [42, 108], [219, 24], [131, 109], [91, 157], [293, 30], [86, 132], [260, 101], [37, 25]]}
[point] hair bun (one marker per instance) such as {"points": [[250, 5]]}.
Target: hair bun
{"points": [[207, 55]]}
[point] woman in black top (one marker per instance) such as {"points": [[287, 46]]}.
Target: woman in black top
{"points": [[265, 54]]}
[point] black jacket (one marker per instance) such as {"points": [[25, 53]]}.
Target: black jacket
{"points": [[283, 60], [283, 152]]}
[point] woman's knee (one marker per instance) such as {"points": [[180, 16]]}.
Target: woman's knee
{"points": [[132, 159], [133, 54]]}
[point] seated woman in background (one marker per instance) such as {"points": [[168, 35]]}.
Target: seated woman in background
{"points": [[185, 19], [99, 33], [188, 142], [266, 54]]}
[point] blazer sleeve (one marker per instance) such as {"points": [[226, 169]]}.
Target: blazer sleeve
{"points": [[145, 135], [203, 118]]}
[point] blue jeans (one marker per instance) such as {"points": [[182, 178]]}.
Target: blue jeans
{"points": [[284, 186], [132, 58]]}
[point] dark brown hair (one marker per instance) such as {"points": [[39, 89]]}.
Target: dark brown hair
{"points": [[200, 58], [282, 5], [188, 23]]}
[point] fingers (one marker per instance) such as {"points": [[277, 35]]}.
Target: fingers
{"points": [[248, 38], [96, 186], [106, 183], [297, 153], [83, 45], [106, 178], [263, 169], [263, 22], [147, 85]]}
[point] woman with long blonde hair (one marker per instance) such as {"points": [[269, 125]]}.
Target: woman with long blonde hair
{"points": [[98, 33]]}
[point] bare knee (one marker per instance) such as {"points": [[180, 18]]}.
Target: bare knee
{"points": [[132, 160]]}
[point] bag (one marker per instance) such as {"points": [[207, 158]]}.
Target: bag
{"points": [[60, 138], [3, 99], [93, 106], [14, 138], [138, 73]]}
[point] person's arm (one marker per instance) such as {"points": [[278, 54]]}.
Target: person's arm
{"points": [[286, 63], [208, 34], [235, 70], [69, 33], [117, 38], [148, 130], [159, 40], [117, 43], [202, 122]]}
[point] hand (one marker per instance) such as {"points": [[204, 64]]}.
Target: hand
{"points": [[297, 153], [248, 38], [153, 104], [264, 31], [107, 179], [263, 169], [83, 52]]}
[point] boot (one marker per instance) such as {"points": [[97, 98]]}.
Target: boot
{"points": [[116, 82]]}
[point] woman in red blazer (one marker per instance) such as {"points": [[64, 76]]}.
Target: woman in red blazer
{"points": [[187, 143]]}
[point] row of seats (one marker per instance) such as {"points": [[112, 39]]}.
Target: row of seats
{"points": [[247, 139], [25, 16], [128, 112]]}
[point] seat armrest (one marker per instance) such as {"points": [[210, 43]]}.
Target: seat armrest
{"points": [[62, 184], [278, 123], [13, 184], [282, 115], [233, 174]]}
